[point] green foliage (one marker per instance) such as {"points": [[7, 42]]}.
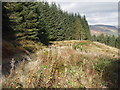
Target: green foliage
{"points": [[77, 46], [40, 21], [80, 45], [87, 35], [29, 48], [7, 31], [101, 65], [79, 32], [108, 40]]}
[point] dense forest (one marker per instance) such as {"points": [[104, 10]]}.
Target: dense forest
{"points": [[42, 22], [108, 40]]}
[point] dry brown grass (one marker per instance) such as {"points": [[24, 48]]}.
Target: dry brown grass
{"points": [[62, 66]]}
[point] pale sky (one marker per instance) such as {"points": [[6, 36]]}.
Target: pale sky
{"points": [[95, 12]]}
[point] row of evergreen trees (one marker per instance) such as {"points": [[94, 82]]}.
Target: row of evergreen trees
{"points": [[40, 21], [108, 40]]}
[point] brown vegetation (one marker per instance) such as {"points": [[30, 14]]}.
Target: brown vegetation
{"points": [[67, 64]]}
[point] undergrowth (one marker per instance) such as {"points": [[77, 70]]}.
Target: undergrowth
{"points": [[63, 67]]}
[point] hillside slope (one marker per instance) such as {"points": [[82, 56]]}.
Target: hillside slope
{"points": [[105, 29], [68, 64]]}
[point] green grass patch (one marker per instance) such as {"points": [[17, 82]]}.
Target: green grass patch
{"points": [[101, 65]]}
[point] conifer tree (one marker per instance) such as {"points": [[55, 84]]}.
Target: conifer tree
{"points": [[79, 33], [43, 22], [86, 28]]}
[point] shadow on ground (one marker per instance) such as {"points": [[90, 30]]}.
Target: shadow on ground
{"points": [[112, 73]]}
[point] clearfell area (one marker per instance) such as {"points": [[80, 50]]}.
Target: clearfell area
{"points": [[68, 64]]}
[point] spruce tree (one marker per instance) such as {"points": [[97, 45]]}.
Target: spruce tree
{"points": [[86, 28], [43, 22], [79, 33]]}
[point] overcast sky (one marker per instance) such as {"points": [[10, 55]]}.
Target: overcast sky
{"points": [[96, 12]]}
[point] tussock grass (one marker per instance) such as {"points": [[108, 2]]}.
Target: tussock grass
{"points": [[63, 66]]}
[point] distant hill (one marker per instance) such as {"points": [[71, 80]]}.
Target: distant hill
{"points": [[106, 29]]}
